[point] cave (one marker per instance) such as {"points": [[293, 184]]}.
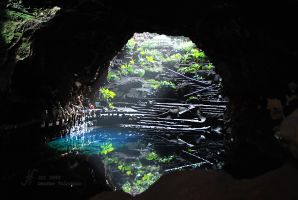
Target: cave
{"points": [[119, 100]]}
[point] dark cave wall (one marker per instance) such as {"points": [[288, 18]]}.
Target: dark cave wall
{"points": [[252, 45]]}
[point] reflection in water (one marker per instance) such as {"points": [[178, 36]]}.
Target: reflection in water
{"points": [[133, 161], [130, 163]]}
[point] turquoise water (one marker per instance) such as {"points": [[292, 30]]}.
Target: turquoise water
{"points": [[132, 160], [89, 141]]}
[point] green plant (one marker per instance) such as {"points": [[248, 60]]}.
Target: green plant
{"points": [[198, 77], [126, 69], [150, 59], [147, 177], [197, 54], [126, 187], [166, 159], [152, 156], [139, 72], [125, 168], [106, 148], [112, 76], [130, 44], [185, 46], [192, 98], [107, 94], [158, 84], [208, 67], [193, 68]]}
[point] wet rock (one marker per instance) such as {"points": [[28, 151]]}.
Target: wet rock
{"points": [[137, 93]]}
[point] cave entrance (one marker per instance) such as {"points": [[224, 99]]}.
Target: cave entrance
{"points": [[161, 110]]}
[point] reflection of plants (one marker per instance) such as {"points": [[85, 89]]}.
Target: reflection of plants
{"points": [[138, 176], [152, 156], [124, 168], [158, 84], [106, 148], [140, 183]]}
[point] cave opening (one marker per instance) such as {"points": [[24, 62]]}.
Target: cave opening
{"points": [[54, 94], [161, 110]]}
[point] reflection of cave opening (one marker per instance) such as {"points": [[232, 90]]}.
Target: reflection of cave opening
{"points": [[161, 109]]}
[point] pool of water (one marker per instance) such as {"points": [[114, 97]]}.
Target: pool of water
{"points": [[133, 160]]}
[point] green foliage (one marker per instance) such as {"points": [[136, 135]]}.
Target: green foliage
{"points": [[24, 49], [107, 94], [112, 76], [198, 77], [126, 69], [8, 31], [11, 26], [192, 98], [18, 16], [208, 67], [148, 44], [152, 156], [130, 44], [198, 54], [166, 159], [124, 168], [158, 84], [150, 59], [193, 68], [185, 46], [126, 187], [147, 177], [139, 72], [106, 148], [175, 57]]}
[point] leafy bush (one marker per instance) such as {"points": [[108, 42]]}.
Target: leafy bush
{"points": [[107, 94], [197, 54]]}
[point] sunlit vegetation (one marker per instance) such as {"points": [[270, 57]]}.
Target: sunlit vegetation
{"points": [[155, 157], [106, 148], [130, 44], [158, 84], [107, 95]]}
